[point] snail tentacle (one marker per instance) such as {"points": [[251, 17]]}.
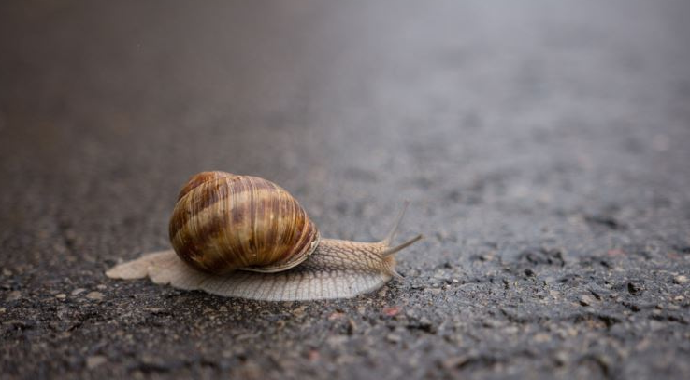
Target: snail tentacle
{"points": [[393, 250], [398, 219]]}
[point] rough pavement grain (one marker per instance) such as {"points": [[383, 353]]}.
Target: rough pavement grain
{"points": [[544, 148]]}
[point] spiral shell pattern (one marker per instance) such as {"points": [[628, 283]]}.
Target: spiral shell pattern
{"points": [[223, 222]]}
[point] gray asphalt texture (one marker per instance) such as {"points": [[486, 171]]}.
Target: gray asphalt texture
{"points": [[544, 147]]}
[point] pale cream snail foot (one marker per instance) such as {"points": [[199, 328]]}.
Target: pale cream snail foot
{"points": [[324, 275]]}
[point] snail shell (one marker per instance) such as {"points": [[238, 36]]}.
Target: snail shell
{"points": [[224, 222], [246, 237]]}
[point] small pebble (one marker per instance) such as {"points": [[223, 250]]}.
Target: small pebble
{"points": [[680, 279], [633, 288], [391, 311], [78, 291], [13, 296], [393, 338], [94, 361], [587, 300], [299, 312], [561, 357], [96, 296], [314, 355], [101, 287], [61, 296]]}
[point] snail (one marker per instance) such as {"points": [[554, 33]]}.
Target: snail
{"points": [[243, 236]]}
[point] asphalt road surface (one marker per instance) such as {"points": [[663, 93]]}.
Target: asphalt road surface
{"points": [[544, 147]]}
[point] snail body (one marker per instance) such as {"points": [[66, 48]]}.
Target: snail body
{"points": [[242, 236]]}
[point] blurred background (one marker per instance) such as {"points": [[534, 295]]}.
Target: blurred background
{"points": [[512, 127]]}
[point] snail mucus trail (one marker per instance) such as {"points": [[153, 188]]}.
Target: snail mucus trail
{"points": [[242, 236]]}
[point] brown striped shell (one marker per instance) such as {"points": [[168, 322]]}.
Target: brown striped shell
{"points": [[223, 222]]}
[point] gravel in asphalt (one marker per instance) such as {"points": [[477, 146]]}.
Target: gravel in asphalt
{"points": [[543, 147]]}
